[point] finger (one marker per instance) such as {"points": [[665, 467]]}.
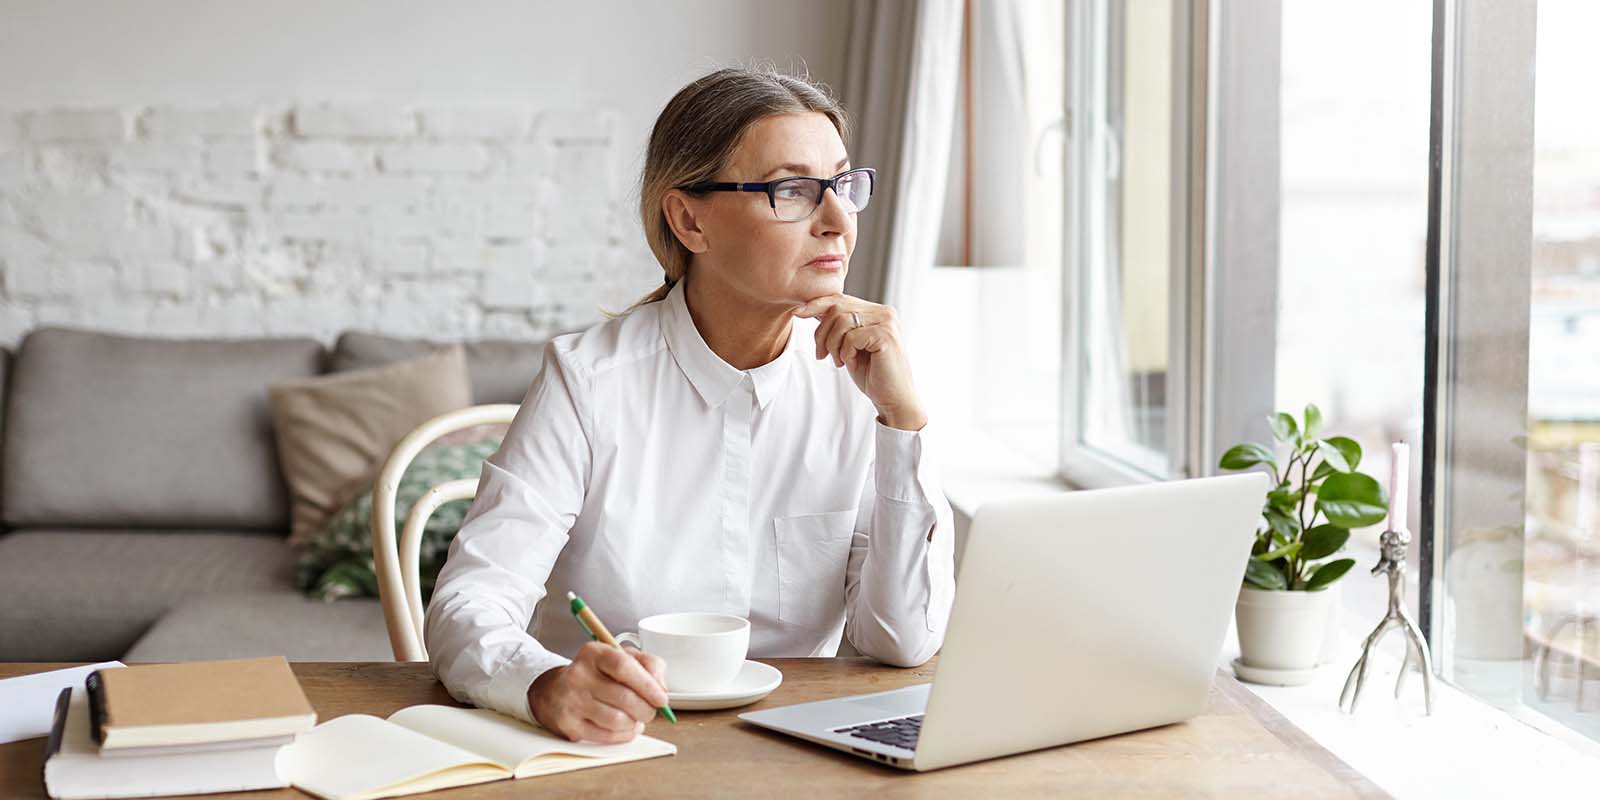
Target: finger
{"points": [[592, 652], [859, 341], [606, 716], [821, 334], [654, 664], [817, 306], [846, 324], [626, 670], [589, 732], [830, 322], [621, 697]]}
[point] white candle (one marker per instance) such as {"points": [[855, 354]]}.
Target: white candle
{"points": [[1399, 472]]}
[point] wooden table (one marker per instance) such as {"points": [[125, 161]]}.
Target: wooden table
{"points": [[1239, 748]]}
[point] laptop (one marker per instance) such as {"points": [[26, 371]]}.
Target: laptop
{"points": [[1077, 616]]}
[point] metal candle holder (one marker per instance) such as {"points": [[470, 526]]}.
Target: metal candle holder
{"points": [[1392, 561]]}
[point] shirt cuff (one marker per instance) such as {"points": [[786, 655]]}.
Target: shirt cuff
{"points": [[901, 470], [508, 688]]}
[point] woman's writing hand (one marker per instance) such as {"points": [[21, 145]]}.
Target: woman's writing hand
{"points": [[605, 695], [865, 338]]}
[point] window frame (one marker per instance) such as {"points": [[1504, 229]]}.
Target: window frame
{"points": [[1222, 279]]}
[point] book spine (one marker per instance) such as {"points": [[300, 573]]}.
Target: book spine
{"points": [[58, 723], [97, 707]]}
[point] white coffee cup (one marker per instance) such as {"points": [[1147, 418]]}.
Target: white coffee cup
{"points": [[703, 651]]}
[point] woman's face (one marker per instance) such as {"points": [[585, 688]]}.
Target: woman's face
{"points": [[747, 249]]}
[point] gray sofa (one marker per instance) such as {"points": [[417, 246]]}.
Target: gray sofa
{"points": [[142, 513]]}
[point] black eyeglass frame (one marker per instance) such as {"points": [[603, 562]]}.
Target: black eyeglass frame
{"points": [[824, 184]]}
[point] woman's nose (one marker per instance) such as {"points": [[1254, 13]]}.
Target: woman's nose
{"points": [[833, 214]]}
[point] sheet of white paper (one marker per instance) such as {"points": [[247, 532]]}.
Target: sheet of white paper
{"points": [[509, 742], [358, 755], [28, 703]]}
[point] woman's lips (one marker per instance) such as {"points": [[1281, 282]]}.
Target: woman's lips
{"points": [[829, 263]]}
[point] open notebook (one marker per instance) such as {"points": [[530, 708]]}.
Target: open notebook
{"points": [[428, 747]]}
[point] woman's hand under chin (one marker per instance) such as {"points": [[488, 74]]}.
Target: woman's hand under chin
{"points": [[864, 337]]}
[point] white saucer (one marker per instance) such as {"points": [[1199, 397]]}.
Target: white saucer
{"points": [[1273, 677], [754, 681]]}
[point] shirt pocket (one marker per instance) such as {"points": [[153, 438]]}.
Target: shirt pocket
{"points": [[813, 554]]}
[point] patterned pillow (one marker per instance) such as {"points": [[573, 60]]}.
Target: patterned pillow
{"points": [[337, 561]]}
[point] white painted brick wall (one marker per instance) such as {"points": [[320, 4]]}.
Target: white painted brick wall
{"points": [[476, 123], [355, 122], [234, 158], [313, 219], [434, 158], [10, 131], [575, 127], [77, 125], [320, 156], [189, 123]]}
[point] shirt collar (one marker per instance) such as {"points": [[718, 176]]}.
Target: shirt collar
{"points": [[712, 377]]}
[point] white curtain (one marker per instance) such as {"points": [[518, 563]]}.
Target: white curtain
{"points": [[901, 74]]}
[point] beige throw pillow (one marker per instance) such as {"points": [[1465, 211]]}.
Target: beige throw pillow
{"points": [[335, 431]]}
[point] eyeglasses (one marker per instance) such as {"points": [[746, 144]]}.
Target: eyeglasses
{"points": [[795, 199]]}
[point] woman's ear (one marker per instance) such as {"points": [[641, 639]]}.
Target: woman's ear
{"points": [[680, 210]]}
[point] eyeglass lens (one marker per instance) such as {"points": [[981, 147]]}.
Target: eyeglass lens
{"points": [[796, 198]]}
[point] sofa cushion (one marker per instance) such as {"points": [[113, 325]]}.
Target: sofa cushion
{"points": [[338, 561], [87, 595], [501, 369], [335, 431], [267, 624], [107, 430]]}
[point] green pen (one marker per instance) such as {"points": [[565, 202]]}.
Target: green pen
{"points": [[597, 631]]}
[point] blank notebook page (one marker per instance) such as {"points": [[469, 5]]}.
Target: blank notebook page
{"points": [[510, 742], [358, 755]]}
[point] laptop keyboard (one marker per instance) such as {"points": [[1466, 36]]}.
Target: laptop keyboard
{"points": [[900, 732]]}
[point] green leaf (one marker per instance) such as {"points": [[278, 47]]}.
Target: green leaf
{"points": [[1263, 576], [1283, 499], [1282, 524], [1284, 428], [1313, 421], [1348, 448], [1286, 551], [1332, 456], [1323, 541], [1328, 573], [1352, 500], [1247, 455]]}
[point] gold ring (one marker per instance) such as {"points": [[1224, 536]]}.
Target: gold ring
{"points": [[857, 317]]}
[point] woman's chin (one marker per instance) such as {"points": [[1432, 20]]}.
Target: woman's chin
{"points": [[821, 283]]}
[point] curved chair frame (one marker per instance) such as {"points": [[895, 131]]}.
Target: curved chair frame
{"points": [[399, 589]]}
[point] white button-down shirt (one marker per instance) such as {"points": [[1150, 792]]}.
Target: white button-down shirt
{"points": [[648, 475]]}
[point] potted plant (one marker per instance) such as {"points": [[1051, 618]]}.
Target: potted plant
{"points": [[1316, 499]]}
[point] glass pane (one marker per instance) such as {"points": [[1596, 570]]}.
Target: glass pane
{"points": [[1128, 207], [1018, 288], [1561, 589], [1353, 225], [1519, 611]]}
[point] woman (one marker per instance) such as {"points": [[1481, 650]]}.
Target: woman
{"points": [[745, 440]]}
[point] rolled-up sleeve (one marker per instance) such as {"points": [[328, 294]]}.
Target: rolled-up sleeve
{"points": [[529, 496], [901, 577]]}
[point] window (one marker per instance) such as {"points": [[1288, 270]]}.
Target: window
{"points": [[1352, 232], [1515, 566], [1129, 259]]}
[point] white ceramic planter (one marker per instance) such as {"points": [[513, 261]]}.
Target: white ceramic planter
{"points": [[1282, 630], [1331, 650]]}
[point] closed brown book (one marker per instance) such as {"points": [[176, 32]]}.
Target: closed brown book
{"points": [[159, 705]]}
